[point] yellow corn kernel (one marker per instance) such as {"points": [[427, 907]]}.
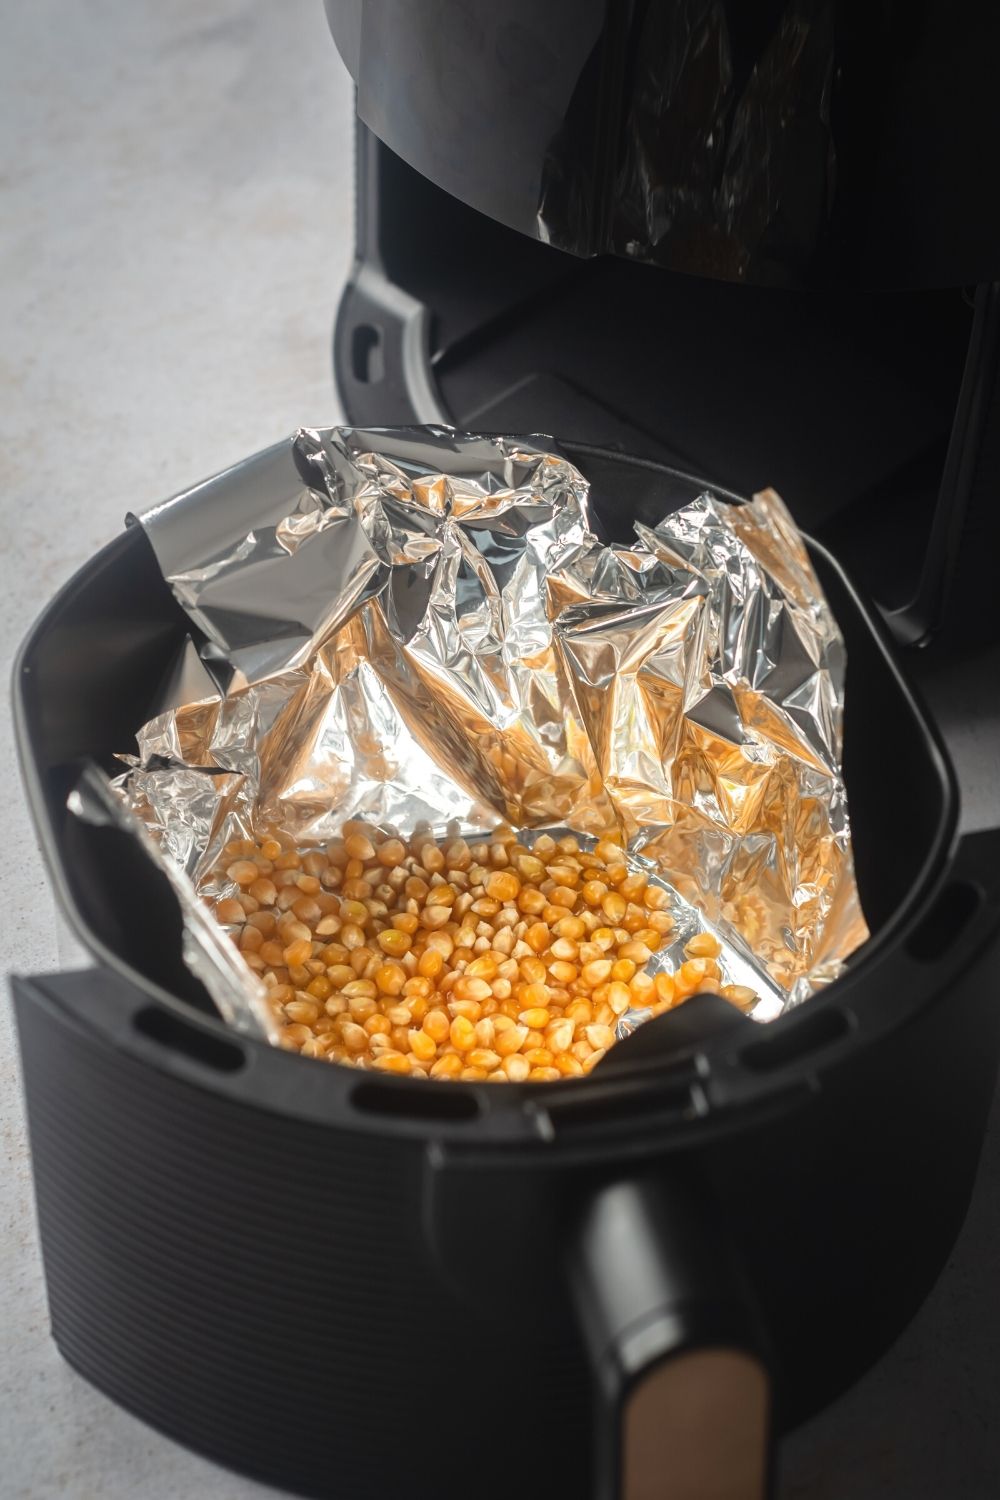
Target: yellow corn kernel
{"points": [[351, 935], [619, 997], [354, 1037], [568, 1065], [703, 945], [535, 1017], [532, 969], [637, 952], [392, 1062], [559, 1036], [595, 972], [432, 859], [641, 989], [304, 1011], [599, 1037], [229, 911], [448, 1066], [390, 978], [739, 994], [430, 964], [511, 1040], [436, 1023], [594, 892], [485, 1031], [394, 942], [663, 986], [531, 902], [572, 929], [422, 1046], [418, 985], [649, 936], [614, 906], [390, 854], [462, 1034], [473, 989], [364, 987], [538, 936], [251, 938], [503, 885], [296, 953], [354, 911]]}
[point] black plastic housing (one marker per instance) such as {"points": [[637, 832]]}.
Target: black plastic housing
{"points": [[270, 1259], [780, 143]]}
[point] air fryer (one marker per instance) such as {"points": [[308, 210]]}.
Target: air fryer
{"points": [[632, 1285]]}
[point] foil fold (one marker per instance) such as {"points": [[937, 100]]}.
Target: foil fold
{"points": [[237, 992], [420, 626]]}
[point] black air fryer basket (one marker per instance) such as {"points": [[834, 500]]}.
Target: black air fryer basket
{"points": [[375, 1287]]}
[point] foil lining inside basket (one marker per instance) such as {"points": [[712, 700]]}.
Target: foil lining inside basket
{"points": [[419, 625]]}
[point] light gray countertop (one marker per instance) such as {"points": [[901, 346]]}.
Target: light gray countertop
{"points": [[177, 201]]}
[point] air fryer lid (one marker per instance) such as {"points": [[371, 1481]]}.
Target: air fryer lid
{"points": [[782, 143]]}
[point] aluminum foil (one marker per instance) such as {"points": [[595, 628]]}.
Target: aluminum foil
{"points": [[238, 993], [420, 625]]}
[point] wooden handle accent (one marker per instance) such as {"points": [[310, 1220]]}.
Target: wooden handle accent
{"points": [[696, 1428]]}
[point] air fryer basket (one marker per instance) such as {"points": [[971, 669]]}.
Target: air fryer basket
{"points": [[270, 1259]]}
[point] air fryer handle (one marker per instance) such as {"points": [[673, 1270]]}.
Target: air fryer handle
{"points": [[683, 1386]]}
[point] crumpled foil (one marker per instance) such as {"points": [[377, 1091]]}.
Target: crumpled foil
{"points": [[237, 991], [417, 625]]}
